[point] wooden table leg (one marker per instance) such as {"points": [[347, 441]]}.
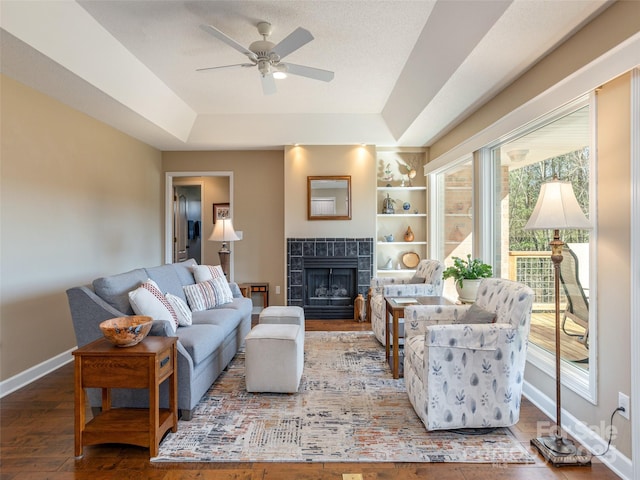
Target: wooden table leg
{"points": [[79, 414], [396, 353], [154, 411], [387, 336]]}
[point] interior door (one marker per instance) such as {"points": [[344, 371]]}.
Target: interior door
{"points": [[180, 241]]}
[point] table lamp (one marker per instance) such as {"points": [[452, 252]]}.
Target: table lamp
{"points": [[223, 232]]}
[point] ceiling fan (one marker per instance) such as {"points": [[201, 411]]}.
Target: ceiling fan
{"points": [[268, 56]]}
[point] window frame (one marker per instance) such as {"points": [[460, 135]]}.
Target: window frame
{"points": [[583, 383]]}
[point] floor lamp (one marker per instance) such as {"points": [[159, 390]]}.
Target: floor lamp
{"points": [[223, 232], [557, 209]]}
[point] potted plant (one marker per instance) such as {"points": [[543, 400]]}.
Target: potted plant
{"points": [[467, 275]]}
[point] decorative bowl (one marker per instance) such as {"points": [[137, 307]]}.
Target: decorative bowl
{"points": [[126, 331], [410, 259]]}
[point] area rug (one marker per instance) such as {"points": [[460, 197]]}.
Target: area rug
{"points": [[348, 409]]}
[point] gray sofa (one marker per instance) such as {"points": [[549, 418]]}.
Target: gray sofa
{"points": [[205, 348]]}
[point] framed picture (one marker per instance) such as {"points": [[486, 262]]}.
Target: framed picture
{"points": [[220, 211]]}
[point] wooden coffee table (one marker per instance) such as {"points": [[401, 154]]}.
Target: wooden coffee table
{"points": [[395, 311]]}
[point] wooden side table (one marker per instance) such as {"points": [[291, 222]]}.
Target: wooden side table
{"points": [[249, 288], [101, 364]]}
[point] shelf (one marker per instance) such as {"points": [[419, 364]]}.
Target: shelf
{"points": [[398, 223]]}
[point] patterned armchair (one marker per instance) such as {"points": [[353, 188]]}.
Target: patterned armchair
{"points": [[426, 282], [468, 375]]}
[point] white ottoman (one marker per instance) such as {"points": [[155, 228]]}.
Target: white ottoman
{"points": [[283, 314], [274, 357]]}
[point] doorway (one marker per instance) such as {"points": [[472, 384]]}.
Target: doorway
{"points": [[187, 223], [212, 187]]}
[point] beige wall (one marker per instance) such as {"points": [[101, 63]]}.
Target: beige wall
{"points": [[79, 200], [303, 161], [258, 210]]}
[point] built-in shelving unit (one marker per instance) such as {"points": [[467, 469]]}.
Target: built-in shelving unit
{"points": [[409, 197]]}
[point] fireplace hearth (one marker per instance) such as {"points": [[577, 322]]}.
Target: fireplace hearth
{"points": [[326, 274]]}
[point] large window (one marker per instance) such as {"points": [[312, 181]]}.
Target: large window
{"points": [[454, 216], [557, 146]]}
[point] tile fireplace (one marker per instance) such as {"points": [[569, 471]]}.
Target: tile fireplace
{"points": [[324, 275]]}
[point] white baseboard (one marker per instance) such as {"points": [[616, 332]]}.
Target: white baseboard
{"points": [[31, 374], [616, 461]]}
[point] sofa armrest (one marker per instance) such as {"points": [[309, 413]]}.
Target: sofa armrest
{"points": [[235, 290], [88, 310], [161, 328]]}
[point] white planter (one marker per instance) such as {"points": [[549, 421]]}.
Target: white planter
{"points": [[469, 290]]}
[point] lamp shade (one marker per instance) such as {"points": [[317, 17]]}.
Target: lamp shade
{"points": [[557, 208], [223, 231]]}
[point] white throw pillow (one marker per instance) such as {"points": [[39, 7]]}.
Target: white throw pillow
{"points": [[148, 300], [204, 273], [183, 312], [209, 294]]}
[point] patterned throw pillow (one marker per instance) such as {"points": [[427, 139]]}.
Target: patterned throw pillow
{"points": [[183, 312], [209, 294], [148, 300], [204, 273], [476, 314]]}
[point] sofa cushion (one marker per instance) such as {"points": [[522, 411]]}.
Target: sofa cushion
{"points": [[115, 289], [148, 300], [183, 312], [184, 271], [201, 340], [205, 295], [242, 304], [225, 318], [167, 279]]}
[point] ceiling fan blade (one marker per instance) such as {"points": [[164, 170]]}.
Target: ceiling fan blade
{"points": [[268, 84], [226, 66], [292, 42], [228, 40], [310, 72]]}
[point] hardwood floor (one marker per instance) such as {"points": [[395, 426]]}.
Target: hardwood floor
{"points": [[36, 442]]}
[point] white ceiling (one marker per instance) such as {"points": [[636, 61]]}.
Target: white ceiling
{"points": [[405, 71]]}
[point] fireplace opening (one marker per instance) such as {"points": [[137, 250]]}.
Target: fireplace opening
{"points": [[330, 287]]}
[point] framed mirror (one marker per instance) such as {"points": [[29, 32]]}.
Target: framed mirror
{"points": [[329, 198]]}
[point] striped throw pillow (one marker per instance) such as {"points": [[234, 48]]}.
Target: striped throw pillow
{"points": [[204, 273], [209, 294]]}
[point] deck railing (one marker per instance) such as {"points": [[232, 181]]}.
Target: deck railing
{"points": [[536, 270]]}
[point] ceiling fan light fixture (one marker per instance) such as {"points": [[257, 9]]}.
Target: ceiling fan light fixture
{"points": [[267, 56], [279, 71]]}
